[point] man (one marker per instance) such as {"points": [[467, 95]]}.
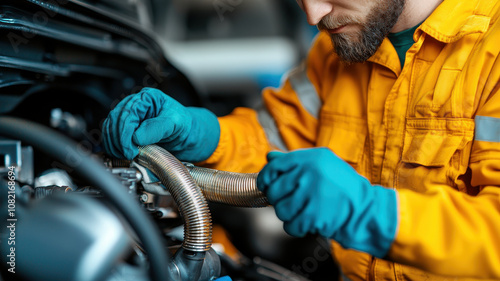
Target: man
{"points": [[409, 98]]}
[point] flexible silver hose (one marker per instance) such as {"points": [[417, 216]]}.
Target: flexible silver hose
{"points": [[188, 196], [191, 186], [235, 189]]}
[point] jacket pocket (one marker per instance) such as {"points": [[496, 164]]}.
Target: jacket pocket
{"points": [[344, 135], [435, 152]]}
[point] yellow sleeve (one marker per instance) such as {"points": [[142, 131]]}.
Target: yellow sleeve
{"points": [[447, 232], [242, 146], [452, 233], [287, 119]]}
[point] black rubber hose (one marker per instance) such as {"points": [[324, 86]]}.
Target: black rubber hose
{"points": [[65, 150]]}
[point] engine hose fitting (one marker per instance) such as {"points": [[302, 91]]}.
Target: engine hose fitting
{"points": [[188, 196], [235, 189]]}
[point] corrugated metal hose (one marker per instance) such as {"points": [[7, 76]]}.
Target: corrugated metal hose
{"points": [[191, 186], [234, 189]]}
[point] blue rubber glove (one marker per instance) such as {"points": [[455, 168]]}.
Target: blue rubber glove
{"points": [[224, 278], [314, 191], [152, 117]]}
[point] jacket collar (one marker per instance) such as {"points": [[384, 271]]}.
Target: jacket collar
{"points": [[450, 21], [453, 19]]}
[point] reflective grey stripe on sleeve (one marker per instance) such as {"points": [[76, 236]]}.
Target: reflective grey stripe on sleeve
{"points": [[272, 133], [305, 90], [487, 129]]}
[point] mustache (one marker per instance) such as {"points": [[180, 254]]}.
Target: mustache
{"points": [[332, 22]]}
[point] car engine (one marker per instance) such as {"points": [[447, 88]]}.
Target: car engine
{"points": [[73, 213]]}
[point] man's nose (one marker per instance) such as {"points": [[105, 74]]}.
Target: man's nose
{"points": [[316, 9]]}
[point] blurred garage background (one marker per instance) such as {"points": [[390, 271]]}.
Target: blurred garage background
{"points": [[231, 49]]}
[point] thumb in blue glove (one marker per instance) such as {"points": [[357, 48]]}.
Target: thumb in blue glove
{"points": [[314, 191], [151, 117]]}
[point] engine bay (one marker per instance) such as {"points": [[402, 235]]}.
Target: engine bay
{"points": [[70, 211]]}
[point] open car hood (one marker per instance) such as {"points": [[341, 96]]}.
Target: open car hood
{"points": [[102, 49]]}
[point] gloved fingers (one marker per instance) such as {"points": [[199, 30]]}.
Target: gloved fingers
{"points": [[170, 122], [296, 228], [279, 163], [304, 222], [283, 185], [288, 207], [123, 120], [151, 101], [274, 154], [107, 140], [153, 131], [145, 104], [269, 174], [126, 103], [180, 122], [118, 134], [111, 130], [130, 151]]}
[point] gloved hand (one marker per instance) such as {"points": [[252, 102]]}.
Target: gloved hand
{"points": [[224, 278], [314, 191], [152, 117]]}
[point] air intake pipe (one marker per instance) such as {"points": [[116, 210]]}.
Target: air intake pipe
{"points": [[234, 189], [191, 186], [188, 196]]}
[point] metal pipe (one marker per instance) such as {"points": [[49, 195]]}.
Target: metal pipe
{"points": [[191, 186], [188, 196], [235, 189]]}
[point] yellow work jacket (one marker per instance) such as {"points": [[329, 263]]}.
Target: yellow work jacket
{"points": [[430, 130]]}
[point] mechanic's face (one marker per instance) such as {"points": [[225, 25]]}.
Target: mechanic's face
{"points": [[357, 27]]}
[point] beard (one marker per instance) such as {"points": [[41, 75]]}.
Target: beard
{"points": [[361, 45]]}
